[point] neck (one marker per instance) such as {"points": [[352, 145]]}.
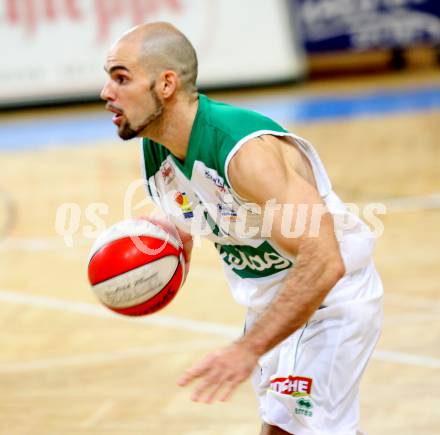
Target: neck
{"points": [[173, 129]]}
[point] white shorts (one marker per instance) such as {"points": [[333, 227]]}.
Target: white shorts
{"points": [[309, 383]]}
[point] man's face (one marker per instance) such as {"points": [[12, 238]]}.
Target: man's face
{"points": [[129, 93]]}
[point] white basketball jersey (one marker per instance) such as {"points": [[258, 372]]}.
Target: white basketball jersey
{"points": [[197, 196]]}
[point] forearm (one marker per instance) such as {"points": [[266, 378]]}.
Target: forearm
{"points": [[303, 292], [188, 244], [158, 217]]}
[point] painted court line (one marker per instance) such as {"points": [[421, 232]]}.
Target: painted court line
{"points": [[411, 203], [99, 311], [103, 357], [38, 244], [406, 358], [99, 414], [185, 324]]}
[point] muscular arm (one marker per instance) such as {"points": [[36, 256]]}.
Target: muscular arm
{"points": [[260, 173], [267, 169]]}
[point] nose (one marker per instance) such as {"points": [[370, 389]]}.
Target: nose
{"points": [[107, 94]]}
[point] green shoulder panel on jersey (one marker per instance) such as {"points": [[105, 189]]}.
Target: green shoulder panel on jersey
{"points": [[218, 128], [154, 154], [230, 125]]}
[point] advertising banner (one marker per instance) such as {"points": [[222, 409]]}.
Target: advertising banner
{"points": [[55, 49], [335, 25]]}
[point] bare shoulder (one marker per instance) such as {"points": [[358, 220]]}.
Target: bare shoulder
{"points": [[266, 164], [255, 150]]}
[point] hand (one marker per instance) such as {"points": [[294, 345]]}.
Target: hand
{"points": [[220, 373], [158, 217]]}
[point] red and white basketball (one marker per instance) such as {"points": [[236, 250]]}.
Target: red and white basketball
{"points": [[136, 267]]}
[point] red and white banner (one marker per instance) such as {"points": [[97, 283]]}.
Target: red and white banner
{"points": [[57, 48]]}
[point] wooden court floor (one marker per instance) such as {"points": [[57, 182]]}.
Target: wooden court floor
{"points": [[68, 367]]}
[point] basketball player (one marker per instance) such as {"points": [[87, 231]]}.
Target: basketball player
{"points": [[313, 298]]}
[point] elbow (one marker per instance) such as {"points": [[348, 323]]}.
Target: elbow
{"points": [[332, 270], [340, 269], [336, 270]]}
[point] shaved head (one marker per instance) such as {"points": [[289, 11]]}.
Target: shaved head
{"points": [[163, 47]]}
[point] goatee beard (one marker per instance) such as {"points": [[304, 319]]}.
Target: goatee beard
{"points": [[127, 132]]}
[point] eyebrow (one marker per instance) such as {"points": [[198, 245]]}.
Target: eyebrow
{"points": [[116, 67]]}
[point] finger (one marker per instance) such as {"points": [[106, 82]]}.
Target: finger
{"points": [[230, 388], [193, 373], [187, 378], [212, 395], [202, 388]]}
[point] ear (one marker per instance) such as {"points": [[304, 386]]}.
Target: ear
{"points": [[168, 83]]}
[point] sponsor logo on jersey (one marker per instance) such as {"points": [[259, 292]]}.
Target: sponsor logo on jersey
{"points": [[226, 211], [304, 406], [216, 179], [296, 386], [225, 208], [249, 262], [167, 172], [182, 201]]}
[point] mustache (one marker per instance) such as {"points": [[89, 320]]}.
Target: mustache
{"points": [[111, 107]]}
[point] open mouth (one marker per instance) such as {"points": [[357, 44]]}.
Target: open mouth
{"points": [[117, 118]]}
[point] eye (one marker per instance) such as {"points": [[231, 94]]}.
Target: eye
{"points": [[121, 79]]}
